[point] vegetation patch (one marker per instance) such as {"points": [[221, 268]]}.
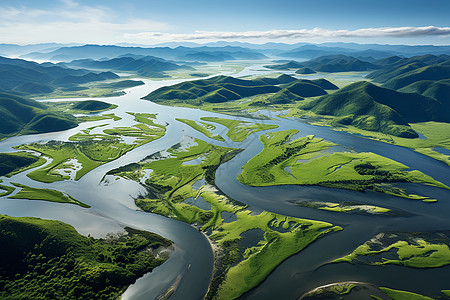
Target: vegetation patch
{"points": [[44, 259], [349, 207], [30, 193], [416, 250], [358, 290], [85, 151], [348, 170], [238, 131], [203, 128], [5, 190], [14, 163], [83, 119], [403, 295], [242, 260]]}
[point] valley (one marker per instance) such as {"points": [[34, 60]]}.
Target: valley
{"points": [[262, 181]]}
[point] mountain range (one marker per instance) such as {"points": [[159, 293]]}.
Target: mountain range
{"points": [[27, 78], [178, 53]]}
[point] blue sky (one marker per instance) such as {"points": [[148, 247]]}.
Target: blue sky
{"points": [[151, 22]]}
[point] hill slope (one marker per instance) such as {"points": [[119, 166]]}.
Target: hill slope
{"points": [[433, 72], [214, 90], [23, 116], [44, 259], [338, 63], [26, 78], [370, 107], [144, 66]]}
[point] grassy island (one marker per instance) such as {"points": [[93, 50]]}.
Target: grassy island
{"points": [[203, 128], [303, 162], [85, 151], [180, 184], [30, 193], [238, 131], [44, 259], [415, 250]]}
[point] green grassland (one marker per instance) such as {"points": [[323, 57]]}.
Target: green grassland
{"points": [[92, 150], [83, 119], [238, 131], [237, 268], [203, 128], [44, 259], [330, 291], [413, 250], [403, 295], [14, 163], [437, 134], [6, 190], [345, 207], [349, 170], [30, 193]]}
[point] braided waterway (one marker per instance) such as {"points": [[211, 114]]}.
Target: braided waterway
{"points": [[189, 268]]}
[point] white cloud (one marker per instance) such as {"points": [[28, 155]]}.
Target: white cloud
{"points": [[69, 23], [294, 34]]}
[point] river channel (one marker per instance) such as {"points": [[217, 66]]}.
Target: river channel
{"points": [[190, 266]]}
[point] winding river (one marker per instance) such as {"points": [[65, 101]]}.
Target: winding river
{"points": [[189, 268]]}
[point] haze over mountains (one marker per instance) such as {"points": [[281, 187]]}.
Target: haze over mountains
{"points": [[409, 88]]}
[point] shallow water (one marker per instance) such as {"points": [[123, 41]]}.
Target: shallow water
{"points": [[113, 206]]}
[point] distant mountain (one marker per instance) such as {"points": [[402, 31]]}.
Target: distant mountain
{"points": [[305, 71], [375, 51], [207, 56], [24, 116], [16, 50], [149, 66], [285, 66], [338, 63], [26, 78], [397, 72], [433, 72], [374, 108], [98, 52]]}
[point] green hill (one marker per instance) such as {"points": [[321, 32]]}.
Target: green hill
{"points": [[91, 105], [398, 72], [300, 89], [44, 259], [433, 72], [321, 82], [439, 90], [384, 75], [214, 90], [144, 66], [12, 162], [338, 63], [24, 116], [305, 71], [124, 84], [374, 108], [286, 66], [24, 78]]}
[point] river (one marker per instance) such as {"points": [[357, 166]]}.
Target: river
{"points": [[112, 207]]}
